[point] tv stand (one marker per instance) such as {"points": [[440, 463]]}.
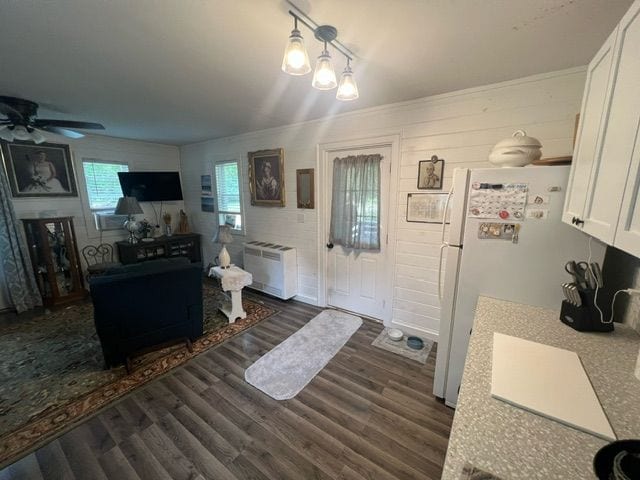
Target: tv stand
{"points": [[177, 245]]}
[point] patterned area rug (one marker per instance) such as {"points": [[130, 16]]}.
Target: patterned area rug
{"points": [[51, 369]]}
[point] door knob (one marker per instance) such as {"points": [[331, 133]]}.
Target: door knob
{"points": [[329, 245]]}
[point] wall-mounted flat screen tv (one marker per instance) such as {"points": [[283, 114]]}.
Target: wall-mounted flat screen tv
{"points": [[151, 186]]}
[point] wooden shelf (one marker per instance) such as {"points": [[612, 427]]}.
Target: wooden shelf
{"points": [[178, 245]]}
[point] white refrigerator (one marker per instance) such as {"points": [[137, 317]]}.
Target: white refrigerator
{"points": [[481, 262]]}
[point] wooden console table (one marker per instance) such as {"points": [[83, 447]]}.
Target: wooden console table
{"points": [[177, 245]]}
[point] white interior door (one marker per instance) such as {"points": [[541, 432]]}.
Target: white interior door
{"points": [[360, 281]]}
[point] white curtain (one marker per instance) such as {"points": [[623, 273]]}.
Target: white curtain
{"points": [[355, 203]]}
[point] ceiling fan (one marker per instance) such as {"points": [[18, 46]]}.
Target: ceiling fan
{"points": [[22, 122]]}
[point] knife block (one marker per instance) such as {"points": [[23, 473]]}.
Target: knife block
{"points": [[586, 317]]}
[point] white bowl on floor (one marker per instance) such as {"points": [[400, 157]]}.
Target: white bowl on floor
{"points": [[395, 334]]}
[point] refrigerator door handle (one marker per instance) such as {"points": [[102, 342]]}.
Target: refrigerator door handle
{"points": [[442, 247], [443, 244]]}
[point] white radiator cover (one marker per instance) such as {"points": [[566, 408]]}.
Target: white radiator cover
{"points": [[274, 268]]}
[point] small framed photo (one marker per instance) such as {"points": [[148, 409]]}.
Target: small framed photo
{"points": [[427, 207], [430, 174], [44, 170], [208, 204], [266, 177]]}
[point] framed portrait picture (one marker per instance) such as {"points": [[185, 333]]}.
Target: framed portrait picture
{"points": [[427, 207], [44, 170], [266, 177], [430, 174]]}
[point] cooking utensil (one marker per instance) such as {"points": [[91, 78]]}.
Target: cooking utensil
{"points": [[576, 295], [579, 272], [597, 273]]}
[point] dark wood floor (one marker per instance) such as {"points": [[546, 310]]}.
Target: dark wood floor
{"points": [[368, 414]]}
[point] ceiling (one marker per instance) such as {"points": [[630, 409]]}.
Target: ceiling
{"points": [[182, 71]]}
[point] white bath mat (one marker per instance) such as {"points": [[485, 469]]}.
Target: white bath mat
{"points": [[287, 369]]}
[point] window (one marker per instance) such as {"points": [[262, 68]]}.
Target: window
{"points": [[228, 192], [103, 186], [355, 203], [103, 192]]}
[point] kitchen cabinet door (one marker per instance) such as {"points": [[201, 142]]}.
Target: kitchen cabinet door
{"points": [[610, 170], [596, 97], [625, 129]]}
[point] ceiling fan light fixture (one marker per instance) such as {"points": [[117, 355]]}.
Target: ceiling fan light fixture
{"points": [[20, 132], [324, 77], [6, 133], [296, 59], [348, 89], [38, 137]]}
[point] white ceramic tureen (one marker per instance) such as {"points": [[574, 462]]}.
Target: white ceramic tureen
{"points": [[516, 151]]}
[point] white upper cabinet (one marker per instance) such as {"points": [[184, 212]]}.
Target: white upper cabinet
{"points": [[593, 114], [625, 109], [603, 190]]}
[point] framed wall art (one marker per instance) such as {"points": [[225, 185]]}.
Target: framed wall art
{"points": [[430, 174], [427, 207], [305, 193], [44, 170], [266, 177]]}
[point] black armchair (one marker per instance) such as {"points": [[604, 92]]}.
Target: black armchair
{"points": [[142, 305]]}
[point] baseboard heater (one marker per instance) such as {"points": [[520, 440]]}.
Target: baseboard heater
{"points": [[274, 268]]}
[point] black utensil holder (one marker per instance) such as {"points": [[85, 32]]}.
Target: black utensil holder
{"points": [[586, 317]]}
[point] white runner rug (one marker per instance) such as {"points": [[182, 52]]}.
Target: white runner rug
{"points": [[290, 366]]}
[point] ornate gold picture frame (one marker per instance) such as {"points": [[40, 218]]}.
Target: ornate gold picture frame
{"points": [[266, 177]]}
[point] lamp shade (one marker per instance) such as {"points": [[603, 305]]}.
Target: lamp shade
{"points": [[224, 235], [296, 59], [347, 90], [324, 78], [128, 206]]}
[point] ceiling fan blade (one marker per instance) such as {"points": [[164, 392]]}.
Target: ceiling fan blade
{"points": [[61, 131], [43, 122], [9, 111]]}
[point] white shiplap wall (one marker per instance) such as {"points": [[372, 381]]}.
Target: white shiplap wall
{"points": [[139, 156], [460, 127]]}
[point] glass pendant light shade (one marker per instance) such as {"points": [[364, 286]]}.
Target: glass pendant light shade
{"points": [[324, 78], [21, 133], [6, 134], [347, 90], [37, 137], [296, 60]]}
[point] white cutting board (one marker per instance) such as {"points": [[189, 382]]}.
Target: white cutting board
{"points": [[548, 381]]}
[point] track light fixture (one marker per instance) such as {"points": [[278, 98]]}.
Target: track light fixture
{"points": [[347, 90], [296, 59]]}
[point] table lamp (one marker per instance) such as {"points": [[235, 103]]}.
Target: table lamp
{"points": [[224, 237], [129, 206]]}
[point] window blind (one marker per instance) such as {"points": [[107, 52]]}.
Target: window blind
{"points": [[103, 187], [228, 187]]}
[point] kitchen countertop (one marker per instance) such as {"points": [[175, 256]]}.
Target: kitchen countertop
{"points": [[512, 443]]}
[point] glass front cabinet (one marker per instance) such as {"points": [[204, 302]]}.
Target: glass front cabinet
{"points": [[55, 260]]}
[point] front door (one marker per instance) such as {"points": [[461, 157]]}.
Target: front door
{"points": [[359, 280]]}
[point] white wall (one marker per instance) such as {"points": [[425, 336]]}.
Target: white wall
{"points": [[460, 127], [139, 156]]}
